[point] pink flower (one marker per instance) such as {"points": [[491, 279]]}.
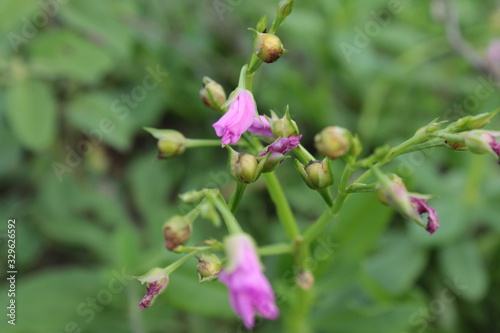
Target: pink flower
{"points": [[282, 146], [432, 220], [238, 118], [249, 290], [261, 126]]}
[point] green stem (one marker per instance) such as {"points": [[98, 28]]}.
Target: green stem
{"points": [[303, 155], [232, 225], [235, 199], [172, 267], [395, 152], [255, 63], [282, 206], [192, 143], [275, 249]]}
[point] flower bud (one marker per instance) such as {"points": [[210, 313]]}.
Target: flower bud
{"points": [[482, 142], [316, 174], [284, 8], [475, 122], [283, 127], [333, 141], [356, 146], [243, 167], [209, 266], [267, 47], [176, 231], [262, 24], [212, 94], [305, 280], [170, 143], [156, 282], [391, 191]]}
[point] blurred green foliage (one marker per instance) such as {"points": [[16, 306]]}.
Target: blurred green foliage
{"points": [[80, 79]]}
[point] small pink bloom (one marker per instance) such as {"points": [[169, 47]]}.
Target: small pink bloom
{"points": [[249, 291], [282, 145], [261, 126], [422, 207], [238, 118]]}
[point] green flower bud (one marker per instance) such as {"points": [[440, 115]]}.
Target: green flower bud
{"points": [[284, 8], [333, 141], [243, 167], [391, 191], [176, 231], [479, 121], [316, 174], [481, 141], [262, 24], [283, 127], [212, 94], [268, 47], [209, 266], [356, 147], [170, 143]]}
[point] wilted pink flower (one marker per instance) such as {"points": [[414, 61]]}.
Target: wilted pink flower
{"points": [[238, 118], [156, 282], [282, 145], [249, 291], [422, 207], [261, 126]]}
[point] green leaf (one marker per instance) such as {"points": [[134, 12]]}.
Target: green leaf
{"points": [[93, 114], [56, 291], [463, 265], [67, 54], [102, 21], [31, 113], [398, 264]]}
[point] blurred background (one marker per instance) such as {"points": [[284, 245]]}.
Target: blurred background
{"points": [[79, 79]]}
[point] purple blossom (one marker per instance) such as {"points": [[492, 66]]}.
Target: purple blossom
{"points": [[261, 126], [422, 207], [250, 293], [238, 118], [282, 146]]}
